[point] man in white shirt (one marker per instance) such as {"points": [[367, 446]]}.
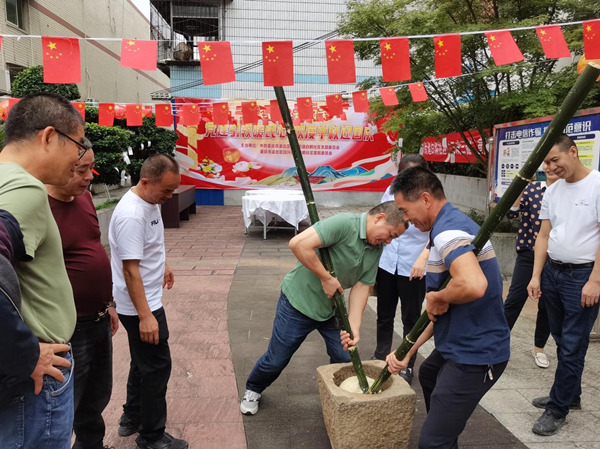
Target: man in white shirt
{"points": [[566, 275], [136, 237]]}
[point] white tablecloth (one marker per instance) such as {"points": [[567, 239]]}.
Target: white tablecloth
{"points": [[273, 192], [291, 207]]}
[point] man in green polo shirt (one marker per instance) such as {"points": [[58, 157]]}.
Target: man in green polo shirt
{"points": [[44, 140], [355, 244]]}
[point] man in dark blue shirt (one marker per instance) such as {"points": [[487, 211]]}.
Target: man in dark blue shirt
{"points": [[471, 335]]}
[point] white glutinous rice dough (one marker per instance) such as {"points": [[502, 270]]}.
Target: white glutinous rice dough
{"points": [[351, 384]]}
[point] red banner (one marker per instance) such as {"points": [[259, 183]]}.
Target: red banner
{"points": [[347, 154], [451, 148]]}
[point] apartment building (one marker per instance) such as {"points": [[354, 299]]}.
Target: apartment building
{"points": [[102, 77]]}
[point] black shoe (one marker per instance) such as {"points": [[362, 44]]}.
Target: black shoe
{"points": [[128, 426], [407, 375], [165, 442], [548, 424], [543, 402]]}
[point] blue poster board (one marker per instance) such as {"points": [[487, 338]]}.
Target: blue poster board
{"points": [[514, 142]]}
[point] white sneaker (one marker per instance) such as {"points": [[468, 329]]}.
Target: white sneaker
{"points": [[249, 404], [540, 359]]}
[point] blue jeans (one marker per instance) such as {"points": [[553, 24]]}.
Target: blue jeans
{"points": [[290, 329], [570, 325], [43, 421], [92, 351]]}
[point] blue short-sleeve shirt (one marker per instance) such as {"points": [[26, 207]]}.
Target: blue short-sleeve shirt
{"points": [[474, 333]]}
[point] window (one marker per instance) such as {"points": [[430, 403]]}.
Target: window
{"points": [[14, 12]]}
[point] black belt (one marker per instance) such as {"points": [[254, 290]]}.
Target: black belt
{"points": [[101, 314], [569, 266]]}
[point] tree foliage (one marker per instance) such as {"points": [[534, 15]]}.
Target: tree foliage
{"points": [[110, 142], [31, 81], [486, 94]]}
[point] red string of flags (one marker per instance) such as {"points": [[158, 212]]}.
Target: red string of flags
{"points": [[61, 56], [62, 64]]}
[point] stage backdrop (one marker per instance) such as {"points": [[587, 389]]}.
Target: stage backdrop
{"points": [[346, 153]]}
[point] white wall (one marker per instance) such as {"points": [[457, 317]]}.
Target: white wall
{"points": [[301, 20]]}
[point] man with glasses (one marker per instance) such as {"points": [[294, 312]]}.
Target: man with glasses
{"points": [[88, 268], [44, 140]]}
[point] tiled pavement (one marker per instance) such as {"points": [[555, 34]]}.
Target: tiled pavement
{"points": [[202, 395], [220, 313]]}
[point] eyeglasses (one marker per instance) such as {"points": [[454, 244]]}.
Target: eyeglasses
{"points": [[83, 146]]}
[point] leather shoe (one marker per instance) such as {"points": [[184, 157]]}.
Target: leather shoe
{"points": [[543, 402], [127, 426], [165, 442], [548, 424], [407, 375]]}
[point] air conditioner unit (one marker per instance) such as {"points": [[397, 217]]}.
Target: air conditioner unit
{"points": [[5, 82]]}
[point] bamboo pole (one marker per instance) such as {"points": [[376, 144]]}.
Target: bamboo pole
{"points": [[566, 112], [338, 299]]}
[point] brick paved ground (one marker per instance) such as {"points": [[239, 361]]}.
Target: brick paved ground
{"points": [[220, 314]]}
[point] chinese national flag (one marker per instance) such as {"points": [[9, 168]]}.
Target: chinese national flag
{"points": [[503, 47], [417, 91], [80, 106], [340, 62], [189, 114], [163, 115], [134, 114], [448, 57], [591, 39], [361, 101], [0, 42], [278, 63], [7, 106], [388, 96], [276, 112], [334, 105], [305, 109], [553, 42], [395, 59], [106, 114], [220, 113], [216, 62], [61, 60], [141, 55], [250, 112]]}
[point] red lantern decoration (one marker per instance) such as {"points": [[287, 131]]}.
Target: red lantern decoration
{"points": [[120, 111]]}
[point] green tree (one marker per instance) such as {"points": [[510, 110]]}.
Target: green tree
{"points": [[31, 81], [109, 143], [487, 94]]}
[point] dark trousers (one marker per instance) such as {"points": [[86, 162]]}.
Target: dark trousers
{"points": [[92, 374], [517, 296], [390, 287], [149, 374], [452, 391]]}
